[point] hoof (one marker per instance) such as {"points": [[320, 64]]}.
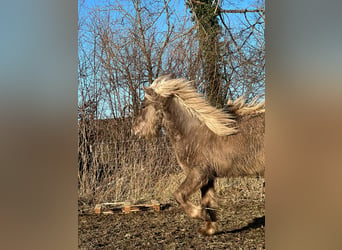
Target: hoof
{"points": [[208, 229]]}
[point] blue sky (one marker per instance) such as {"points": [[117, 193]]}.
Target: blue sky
{"points": [[234, 20], [179, 4]]}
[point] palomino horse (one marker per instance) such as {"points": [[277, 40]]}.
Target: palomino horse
{"points": [[208, 142]]}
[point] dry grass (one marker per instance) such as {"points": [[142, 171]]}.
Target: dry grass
{"points": [[228, 189]]}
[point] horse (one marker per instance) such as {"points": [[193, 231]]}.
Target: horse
{"points": [[208, 143]]}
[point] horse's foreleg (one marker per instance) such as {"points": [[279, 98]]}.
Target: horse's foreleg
{"points": [[209, 206], [192, 182]]}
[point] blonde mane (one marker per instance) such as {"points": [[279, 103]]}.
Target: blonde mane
{"points": [[240, 107], [216, 120]]}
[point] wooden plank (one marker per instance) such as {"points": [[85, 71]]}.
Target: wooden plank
{"points": [[155, 205], [97, 208], [126, 207]]}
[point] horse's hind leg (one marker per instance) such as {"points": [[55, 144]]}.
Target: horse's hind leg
{"points": [[192, 182], [209, 206]]}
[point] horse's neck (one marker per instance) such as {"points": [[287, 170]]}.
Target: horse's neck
{"points": [[178, 122]]}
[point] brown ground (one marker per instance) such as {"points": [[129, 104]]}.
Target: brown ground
{"points": [[241, 226]]}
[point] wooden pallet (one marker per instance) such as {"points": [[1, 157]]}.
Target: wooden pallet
{"points": [[126, 207]]}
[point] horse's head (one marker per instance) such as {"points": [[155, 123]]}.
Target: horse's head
{"points": [[148, 123]]}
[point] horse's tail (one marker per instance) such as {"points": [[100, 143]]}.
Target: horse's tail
{"points": [[239, 107]]}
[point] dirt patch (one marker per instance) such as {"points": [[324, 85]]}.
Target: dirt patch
{"points": [[241, 225]]}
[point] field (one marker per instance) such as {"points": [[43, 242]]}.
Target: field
{"points": [[241, 223]]}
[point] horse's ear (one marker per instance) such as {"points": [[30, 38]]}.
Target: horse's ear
{"points": [[151, 94], [149, 91]]}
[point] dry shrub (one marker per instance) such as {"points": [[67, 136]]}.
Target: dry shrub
{"points": [[114, 165]]}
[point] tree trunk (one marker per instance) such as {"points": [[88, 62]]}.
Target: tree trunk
{"points": [[209, 32]]}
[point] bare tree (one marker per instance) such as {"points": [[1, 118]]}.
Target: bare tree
{"points": [[232, 56]]}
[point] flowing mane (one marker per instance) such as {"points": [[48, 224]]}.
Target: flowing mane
{"points": [[240, 107], [216, 120]]}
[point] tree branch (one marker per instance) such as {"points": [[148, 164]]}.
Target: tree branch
{"points": [[242, 11]]}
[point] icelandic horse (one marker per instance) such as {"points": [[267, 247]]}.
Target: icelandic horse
{"points": [[208, 142]]}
